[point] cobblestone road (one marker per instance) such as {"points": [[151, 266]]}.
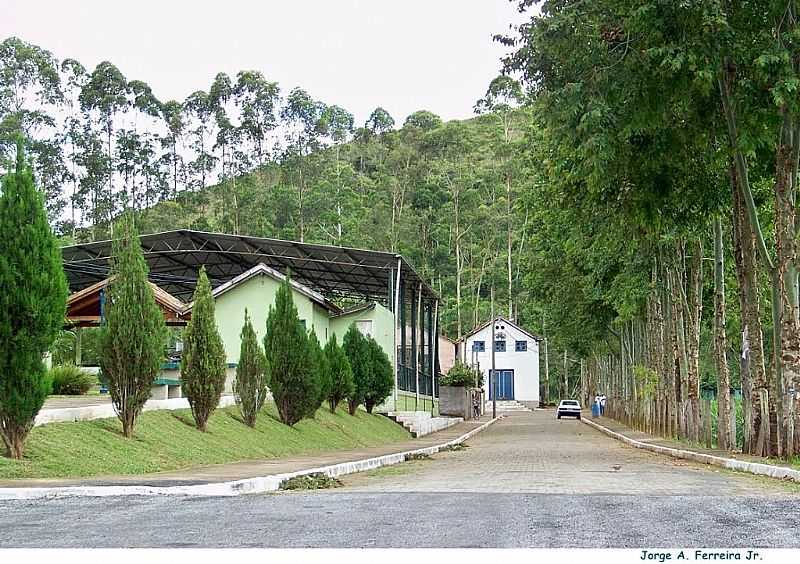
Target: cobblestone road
{"points": [[536, 453], [528, 481]]}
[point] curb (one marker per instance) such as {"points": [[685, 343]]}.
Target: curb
{"points": [[106, 410], [261, 484], [779, 472]]}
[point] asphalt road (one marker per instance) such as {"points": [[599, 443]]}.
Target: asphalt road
{"points": [[529, 481]]}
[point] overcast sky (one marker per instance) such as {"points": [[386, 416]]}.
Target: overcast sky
{"points": [[402, 55]]}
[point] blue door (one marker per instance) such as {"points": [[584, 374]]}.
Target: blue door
{"points": [[503, 387]]}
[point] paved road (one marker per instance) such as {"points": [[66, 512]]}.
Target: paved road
{"points": [[529, 481]]}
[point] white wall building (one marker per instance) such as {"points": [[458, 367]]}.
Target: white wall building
{"points": [[516, 360]]}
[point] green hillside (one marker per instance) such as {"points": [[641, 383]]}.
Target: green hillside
{"points": [[422, 190]]}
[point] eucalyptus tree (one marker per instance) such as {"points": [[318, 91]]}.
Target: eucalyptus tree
{"points": [[103, 97], [219, 95], [424, 120], [30, 95], [200, 109], [29, 86], [338, 125], [379, 121], [502, 98], [172, 114], [257, 100], [74, 78], [97, 203], [450, 189], [302, 117]]}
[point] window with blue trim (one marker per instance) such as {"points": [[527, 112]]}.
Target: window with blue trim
{"points": [[521, 346], [499, 346], [479, 346]]}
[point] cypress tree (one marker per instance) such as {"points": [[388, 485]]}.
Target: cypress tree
{"points": [[357, 351], [319, 366], [340, 374], [381, 379], [33, 294], [203, 361], [250, 385], [294, 387], [134, 334]]}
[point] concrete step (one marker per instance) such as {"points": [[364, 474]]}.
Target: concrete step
{"points": [[507, 406], [421, 423]]}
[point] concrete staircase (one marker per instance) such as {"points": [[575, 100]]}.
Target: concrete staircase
{"points": [[506, 406], [421, 423]]}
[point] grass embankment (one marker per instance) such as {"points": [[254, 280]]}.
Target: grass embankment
{"points": [[168, 440]]}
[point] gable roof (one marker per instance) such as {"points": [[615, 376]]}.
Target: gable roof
{"points": [[357, 309], [84, 305], [482, 326], [263, 270]]}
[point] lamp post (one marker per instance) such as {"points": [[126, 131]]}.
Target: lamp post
{"points": [[492, 379]]}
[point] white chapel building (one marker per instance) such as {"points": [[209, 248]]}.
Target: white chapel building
{"points": [[516, 360]]}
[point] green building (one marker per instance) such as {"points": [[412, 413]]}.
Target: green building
{"points": [[333, 287]]}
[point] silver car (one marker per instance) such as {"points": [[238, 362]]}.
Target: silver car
{"points": [[569, 408]]}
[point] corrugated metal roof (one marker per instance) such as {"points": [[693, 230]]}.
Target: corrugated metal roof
{"points": [[174, 258]]}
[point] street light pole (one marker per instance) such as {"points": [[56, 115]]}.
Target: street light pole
{"points": [[492, 388]]}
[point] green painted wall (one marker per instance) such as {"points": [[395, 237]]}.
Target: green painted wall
{"points": [[382, 327], [257, 295]]}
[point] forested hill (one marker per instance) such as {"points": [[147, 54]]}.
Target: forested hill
{"points": [[435, 192], [247, 157]]}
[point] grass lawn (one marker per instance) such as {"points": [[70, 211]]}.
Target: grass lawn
{"points": [[168, 440]]}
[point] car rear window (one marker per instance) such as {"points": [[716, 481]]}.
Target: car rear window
{"points": [[570, 403]]}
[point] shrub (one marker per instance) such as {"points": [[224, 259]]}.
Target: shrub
{"points": [[134, 334], [33, 294], [70, 380], [291, 377], [381, 378], [250, 385], [341, 375], [314, 481], [358, 354], [462, 375], [203, 361]]}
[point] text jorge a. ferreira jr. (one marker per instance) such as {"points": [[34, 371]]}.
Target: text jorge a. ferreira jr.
{"points": [[699, 554]]}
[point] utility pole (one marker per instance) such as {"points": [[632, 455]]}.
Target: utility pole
{"points": [[546, 365], [492, 378]]}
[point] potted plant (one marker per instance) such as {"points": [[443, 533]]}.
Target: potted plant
{"points": [[456, 390]]}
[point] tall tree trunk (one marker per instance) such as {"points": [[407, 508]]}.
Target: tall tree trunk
{"points": [[786, 247], [725, 439], [754, 383], [769, 394], [695, 311]]}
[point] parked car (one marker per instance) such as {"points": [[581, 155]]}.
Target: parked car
{"points": [[569, 408]]}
